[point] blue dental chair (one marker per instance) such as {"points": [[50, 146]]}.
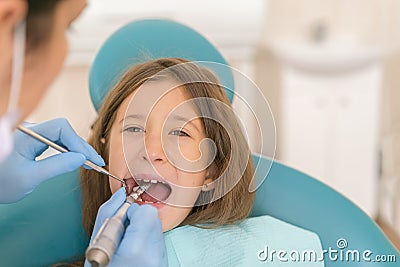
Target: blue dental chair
{"points": [[45, 227]]}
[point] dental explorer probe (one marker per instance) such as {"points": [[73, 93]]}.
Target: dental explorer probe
{"points": [[63, 150], [107, 239]]}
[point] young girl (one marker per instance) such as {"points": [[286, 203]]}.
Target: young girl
{"points": [[107, 140], [168, 122]]}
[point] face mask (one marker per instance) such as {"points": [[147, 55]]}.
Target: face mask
{"points": [[7, 122]]}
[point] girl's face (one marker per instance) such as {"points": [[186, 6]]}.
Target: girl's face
{"points": [[157, 136]]}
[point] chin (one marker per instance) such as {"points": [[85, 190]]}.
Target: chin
{"points": [[166, 226]]}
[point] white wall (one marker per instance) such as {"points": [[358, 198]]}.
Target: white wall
{"points": [[68, 98]]}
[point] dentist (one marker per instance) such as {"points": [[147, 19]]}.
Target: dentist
{"points": [[33, 47]]}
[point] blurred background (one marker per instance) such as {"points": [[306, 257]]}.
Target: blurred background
{"points": [[329, 70]]}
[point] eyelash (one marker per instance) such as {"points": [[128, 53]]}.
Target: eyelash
{"points": [[180, 133], [134, 129], [129, 129]]}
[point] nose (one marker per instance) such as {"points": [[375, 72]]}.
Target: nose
{"points": [[153, 151]]}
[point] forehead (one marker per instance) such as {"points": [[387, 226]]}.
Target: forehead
{"points": [[158, 97]]}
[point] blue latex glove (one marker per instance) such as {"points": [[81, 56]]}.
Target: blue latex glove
{"points": [[20, 173], [143, 242]]}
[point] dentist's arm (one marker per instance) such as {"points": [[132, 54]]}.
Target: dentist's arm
{"points": [[20, 173], [143, 242]]}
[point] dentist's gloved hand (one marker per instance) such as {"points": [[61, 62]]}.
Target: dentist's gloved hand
{"points": [[143, 242], [20, 173]]}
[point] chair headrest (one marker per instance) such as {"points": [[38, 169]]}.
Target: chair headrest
{"points": [[149, 39]]}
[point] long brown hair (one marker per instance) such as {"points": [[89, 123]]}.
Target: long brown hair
{"points": [[232, 206]]}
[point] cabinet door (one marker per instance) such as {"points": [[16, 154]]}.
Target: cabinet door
{"points": [[305, 128], [355, 153], [330, 131]]}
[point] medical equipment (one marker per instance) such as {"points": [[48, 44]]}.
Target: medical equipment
{"points": [[107, 239], [63, 150]]}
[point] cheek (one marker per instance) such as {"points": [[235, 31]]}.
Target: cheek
{"points": [[52, 58], [114, 185], [187, 156], [192, 179], [42, 67], [116, 160], [190, 152], [59, 50], [117, 167], [115, 151]]}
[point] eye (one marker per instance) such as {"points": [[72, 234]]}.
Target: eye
{"points": [[179, 132], [133, 129]]}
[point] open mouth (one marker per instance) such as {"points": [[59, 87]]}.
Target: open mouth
{"points": [[158, 191]]}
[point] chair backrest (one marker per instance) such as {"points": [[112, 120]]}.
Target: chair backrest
{"points": [[144, 40], [45, 227], [296, 198]]}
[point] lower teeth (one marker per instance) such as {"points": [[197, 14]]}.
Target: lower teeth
{"points": [[147, 202]]}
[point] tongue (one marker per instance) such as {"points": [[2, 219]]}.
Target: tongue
{"points": [[147, 197], [156, 192]]}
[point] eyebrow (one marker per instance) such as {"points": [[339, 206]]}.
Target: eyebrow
{"points": [[186, 120], [132, 116]]}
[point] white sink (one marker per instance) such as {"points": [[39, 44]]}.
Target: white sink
{"points": [[329, 57]]}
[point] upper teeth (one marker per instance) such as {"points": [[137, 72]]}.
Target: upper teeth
{"points": [[152, 181]]}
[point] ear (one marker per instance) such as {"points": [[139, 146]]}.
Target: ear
{"points": [[208, 183], [207, 186], [12, 12]]}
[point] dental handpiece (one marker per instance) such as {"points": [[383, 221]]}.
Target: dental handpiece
{"points": [[104, 244], [63, 150]]}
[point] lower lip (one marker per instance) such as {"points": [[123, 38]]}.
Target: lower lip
{"points": [[157, 205]]}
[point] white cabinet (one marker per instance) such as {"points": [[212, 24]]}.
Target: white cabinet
{"points": [[330, 130]]}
